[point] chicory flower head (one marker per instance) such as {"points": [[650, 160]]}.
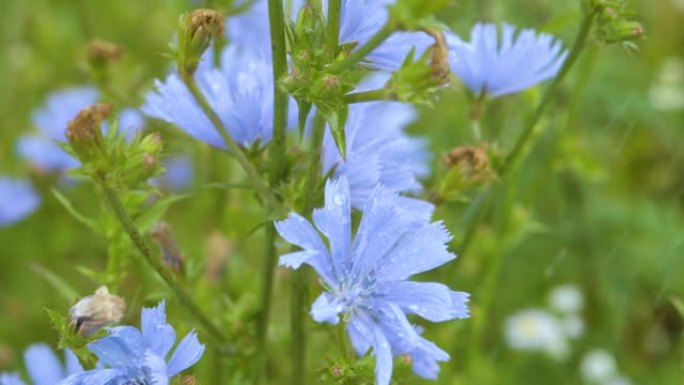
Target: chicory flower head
{"points": [[140, 356], [41, 149], [379, 152], [18, 199], [499, 65], [367, 275], [44, 367], [240, 92]]}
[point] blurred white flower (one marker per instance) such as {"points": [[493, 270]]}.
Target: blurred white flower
{"points": [[667, 90], [598, 366], [573, 326], [536, 330], [566, 299]]}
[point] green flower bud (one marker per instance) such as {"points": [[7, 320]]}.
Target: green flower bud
{"points": [[196, 30]]}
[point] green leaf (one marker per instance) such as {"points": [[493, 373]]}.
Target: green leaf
{"points": [[337, 119], [91, 224], [62, 287], [678, 304]]}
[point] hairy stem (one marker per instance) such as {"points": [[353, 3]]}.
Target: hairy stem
{"points": [[358, 54], [155, 263], [260, 185]]}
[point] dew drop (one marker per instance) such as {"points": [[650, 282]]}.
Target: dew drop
{"points": [[338, 199]]}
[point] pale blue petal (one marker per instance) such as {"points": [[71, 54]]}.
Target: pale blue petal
{"points": [[44, 154], [155, 369], [334, 221], [186, 354], [123, 347], [10, 379], [326, 308], [432, 301], [97, 377], [358, 335], [296, 259], [72, 365], [42, 365], [158, 336], [18, 199], [423, 250]]}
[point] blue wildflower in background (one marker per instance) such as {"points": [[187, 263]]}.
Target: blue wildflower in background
{"points": [[499, 65], [379, 152], [44, 367], [18, 199], [366, 275], [133, 356], [42, 150], [178, 176], [240, 92]]}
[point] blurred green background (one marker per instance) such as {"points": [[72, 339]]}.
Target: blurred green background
{"points": [[598, 202]]}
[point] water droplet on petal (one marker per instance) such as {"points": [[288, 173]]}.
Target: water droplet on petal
{"points": [[338, 199]]}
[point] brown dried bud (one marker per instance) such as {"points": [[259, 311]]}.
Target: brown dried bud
{"points": [[83, 132], [95, 311], [188, 380], [439, 62], [162, 235], [206, 22], [473, 159], [219, 250], [337, 371], [101, 51]]}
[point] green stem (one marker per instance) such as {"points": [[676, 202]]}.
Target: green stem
{"points": [[259, 184], [299, 278], [368, 96], [277, 162], [483, 200], [358, 54], [575, 51], [333, 33], [155, 263]]}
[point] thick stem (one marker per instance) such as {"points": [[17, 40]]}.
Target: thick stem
{"points": [[259, 184], [333, 33], [358, 54], [299, 278], [155, 263], [276, 170]]}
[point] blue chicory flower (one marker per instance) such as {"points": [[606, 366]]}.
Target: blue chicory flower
{"points": [[140, 356], [379, 152], [240, 92], [507, 64], [41, 149], [178, 175], [44, 367], [18, 199], [367, 275]]}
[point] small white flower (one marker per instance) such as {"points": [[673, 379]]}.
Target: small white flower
{"points": [[598, 366], [536, 330], [618, 380], [573, 326], [566, 299], [667, 90]]}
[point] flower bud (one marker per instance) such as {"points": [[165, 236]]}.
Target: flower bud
{"points": [[196, 30], [439, 62], [172, 257], [84, 133], [95, 311], [102, 52]]}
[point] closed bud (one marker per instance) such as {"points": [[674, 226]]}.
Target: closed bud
{"points": [[84, 133], [162, 235], [196, 30], [102, 52], [95, 311]]}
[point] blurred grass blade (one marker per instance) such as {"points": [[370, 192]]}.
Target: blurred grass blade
{"points": [[74, 213], [62, 287]]}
